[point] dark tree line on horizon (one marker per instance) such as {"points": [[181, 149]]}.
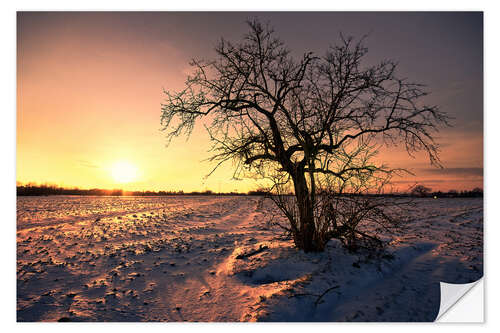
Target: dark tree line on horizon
{"points": [[44, 190]]}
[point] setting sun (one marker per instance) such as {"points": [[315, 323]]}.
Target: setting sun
{"points": [[123, 172]]}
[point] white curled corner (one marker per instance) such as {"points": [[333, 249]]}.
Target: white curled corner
{"points": [[458, 306]]}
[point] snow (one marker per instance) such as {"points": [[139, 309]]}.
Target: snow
{"points": [[209, 258]]}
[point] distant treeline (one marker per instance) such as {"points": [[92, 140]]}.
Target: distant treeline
{"points": [[30, 189], [475, 193], [423, 191], [33, 190], [417, 191]]}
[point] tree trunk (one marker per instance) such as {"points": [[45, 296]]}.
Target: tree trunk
{"points": [[306, 236]]}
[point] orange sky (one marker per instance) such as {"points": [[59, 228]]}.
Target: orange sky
{"points": [[89, 89]]}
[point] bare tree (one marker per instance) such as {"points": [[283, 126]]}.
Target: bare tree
{"points": [[312, 125], [421, 191]]}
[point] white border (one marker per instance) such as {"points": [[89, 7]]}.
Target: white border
{"points": [[491, 120]]}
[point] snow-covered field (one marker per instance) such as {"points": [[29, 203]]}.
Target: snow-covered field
{"points": [[208, 258]]}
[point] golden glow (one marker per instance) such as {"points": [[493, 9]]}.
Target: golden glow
{"points": [[123, 172], [88, 97]]}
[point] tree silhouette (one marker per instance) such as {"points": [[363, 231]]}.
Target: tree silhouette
{"points": [[421, 191], [312, 125]]}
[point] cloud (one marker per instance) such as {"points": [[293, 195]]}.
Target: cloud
{"points": [[467, 172], [87, 164], [413, 181]]}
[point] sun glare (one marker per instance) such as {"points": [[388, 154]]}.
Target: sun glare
{"points": [[123, 172]]}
